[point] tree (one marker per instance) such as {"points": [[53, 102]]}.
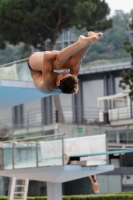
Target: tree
{"points": [[35, 21], [110, 46], [127, 76]]}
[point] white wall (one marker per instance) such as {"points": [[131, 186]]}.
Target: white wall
{"points": [[109, 183], [117, 88], [91, 91]]}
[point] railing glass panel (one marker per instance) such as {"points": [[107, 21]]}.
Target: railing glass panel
{"points": [[50, 152], [130, 136], [7, 152], [16, 71], [38, 152], [111, 136], [23, 72], [24, 155]]}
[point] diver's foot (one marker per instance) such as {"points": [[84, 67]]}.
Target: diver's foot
{"points": [[91, 33], [92, 37]]}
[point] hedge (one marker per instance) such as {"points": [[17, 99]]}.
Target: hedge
{"points": [[124, 196], [117, 196]]}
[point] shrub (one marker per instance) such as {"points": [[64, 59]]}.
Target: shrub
{"points": [[117, 196]]}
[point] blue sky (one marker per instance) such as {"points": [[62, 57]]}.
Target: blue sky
{"points": [[125, 5]]}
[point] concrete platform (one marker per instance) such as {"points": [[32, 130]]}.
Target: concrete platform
{"points": [[56, 174], [14, 93]]}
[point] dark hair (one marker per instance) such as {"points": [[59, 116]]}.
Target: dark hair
{"points": [[69, 85]]}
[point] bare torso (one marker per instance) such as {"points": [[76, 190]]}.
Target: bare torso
{"points": [[95, 186]]}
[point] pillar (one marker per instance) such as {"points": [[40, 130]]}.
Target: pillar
{"points": [[54, 191]]}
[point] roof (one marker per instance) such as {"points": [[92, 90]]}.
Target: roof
{"points": [[115, 97]]}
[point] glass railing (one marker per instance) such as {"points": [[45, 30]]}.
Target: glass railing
{"points": [[17, 70], [124, 136], [53, 151], [34, 152]]}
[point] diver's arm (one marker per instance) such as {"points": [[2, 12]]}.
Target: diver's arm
{"points": [[76, 70]]}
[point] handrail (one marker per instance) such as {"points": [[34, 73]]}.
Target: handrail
{"points": [[33, 138], [11, 63], [108, 67], [87, 109]]}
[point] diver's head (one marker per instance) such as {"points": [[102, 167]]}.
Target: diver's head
{"points": [[67, 83]]}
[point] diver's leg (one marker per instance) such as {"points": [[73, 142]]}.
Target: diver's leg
{"points": [[78, 49], [77, 57]]}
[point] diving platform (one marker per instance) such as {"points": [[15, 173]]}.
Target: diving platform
{"points": [[54, 160], [17, 92], [14, 92], [50, 159], [56, 175]]}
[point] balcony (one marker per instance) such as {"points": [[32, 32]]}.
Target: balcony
{"points": [[116, 109], [120, 139], [35, 123]]}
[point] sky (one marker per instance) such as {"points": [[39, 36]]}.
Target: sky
{"points": [[125, 5]]}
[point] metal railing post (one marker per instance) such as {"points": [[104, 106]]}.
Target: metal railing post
{"points": [[27, 122], [13, 161], [36, 153], [63, 150], [1, 157]]}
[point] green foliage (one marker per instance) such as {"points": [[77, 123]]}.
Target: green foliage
{"points": [[111, 45], [39, 198], [120, 196], [127, 81], [32, 22], [113, 196], [11, 53], [100, 62], [26, 51], [129, 49], [127, 76], [107, 48], [31, 198], [3, 197]]}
